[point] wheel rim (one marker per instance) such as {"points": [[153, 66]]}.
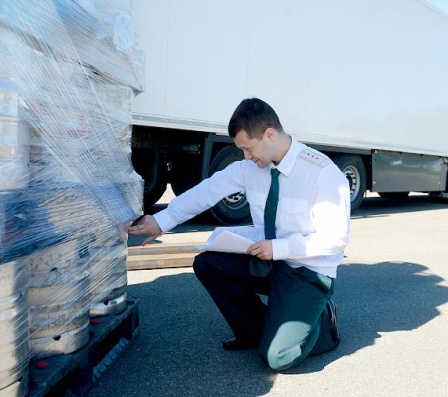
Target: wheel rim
{"points": [[354, 179], [235, 201]]}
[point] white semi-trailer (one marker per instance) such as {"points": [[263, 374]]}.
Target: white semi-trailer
{"points": [[364, 81]]}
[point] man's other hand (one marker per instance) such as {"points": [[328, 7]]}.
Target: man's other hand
{"points": [[262, 250], [146, 225]]}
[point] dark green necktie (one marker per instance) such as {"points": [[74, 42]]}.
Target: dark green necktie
{"points": [[270, 211], [260, 267]]}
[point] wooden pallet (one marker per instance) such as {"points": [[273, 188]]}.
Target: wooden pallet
{"points": [[74, 374]]}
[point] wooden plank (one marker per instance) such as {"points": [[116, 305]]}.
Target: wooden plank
{"points": [[143, 262], [164, 248]]}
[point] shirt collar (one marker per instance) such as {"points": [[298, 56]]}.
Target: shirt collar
{"points": [[287, 164]]}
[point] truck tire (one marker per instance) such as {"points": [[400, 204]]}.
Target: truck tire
{"points": [[149, 165], [179, 188], [232, 209], [152, 192], [353, 168]]}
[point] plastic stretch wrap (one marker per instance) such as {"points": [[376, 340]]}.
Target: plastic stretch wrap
{"points": [[69, 70]]}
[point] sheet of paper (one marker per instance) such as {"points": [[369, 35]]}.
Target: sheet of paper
{"points": [[232, 239]]}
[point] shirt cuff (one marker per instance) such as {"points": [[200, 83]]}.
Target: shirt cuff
{"points": [[280, 249], [165, 221]]}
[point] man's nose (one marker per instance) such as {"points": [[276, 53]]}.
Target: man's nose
{"points": [[247, 155]]}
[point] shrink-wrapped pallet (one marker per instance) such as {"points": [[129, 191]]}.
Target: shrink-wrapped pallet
{"points": [[69, 70]]}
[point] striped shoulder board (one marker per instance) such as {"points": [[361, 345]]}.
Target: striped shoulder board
{"points": [[314, 157]]}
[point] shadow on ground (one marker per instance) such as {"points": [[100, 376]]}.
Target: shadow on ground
{"points": [[179, 350], [377, 206], [378, 298]]}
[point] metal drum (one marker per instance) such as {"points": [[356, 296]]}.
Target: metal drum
{"points": [[58, 296], [19, 388], [58, 211], [108, 280], [14, 351]]}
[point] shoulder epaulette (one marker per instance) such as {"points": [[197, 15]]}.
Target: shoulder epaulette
{"points": [[314, 157]]}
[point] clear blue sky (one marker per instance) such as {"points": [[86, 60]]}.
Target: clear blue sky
{"points": [[442, 4]]}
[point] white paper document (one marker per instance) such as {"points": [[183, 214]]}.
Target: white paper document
{"points": [[232, 239]]}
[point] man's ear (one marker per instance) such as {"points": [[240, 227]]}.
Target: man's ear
{"points": [[271, 133]]}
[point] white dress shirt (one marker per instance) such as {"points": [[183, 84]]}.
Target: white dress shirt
{"points": [[313, 215]]}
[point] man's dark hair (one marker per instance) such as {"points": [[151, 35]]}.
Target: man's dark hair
{"points": [[253, 116]]}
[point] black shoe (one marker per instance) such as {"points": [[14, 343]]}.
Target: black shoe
{"points": [[235, 344], [334, 327]]}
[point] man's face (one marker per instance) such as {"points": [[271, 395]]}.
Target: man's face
{"points": [[259, 151]]}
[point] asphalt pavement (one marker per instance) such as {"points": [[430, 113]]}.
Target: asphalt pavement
{"points": [[392, 294]]}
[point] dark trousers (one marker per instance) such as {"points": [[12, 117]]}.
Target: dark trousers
{"points": [[292, 323]]}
